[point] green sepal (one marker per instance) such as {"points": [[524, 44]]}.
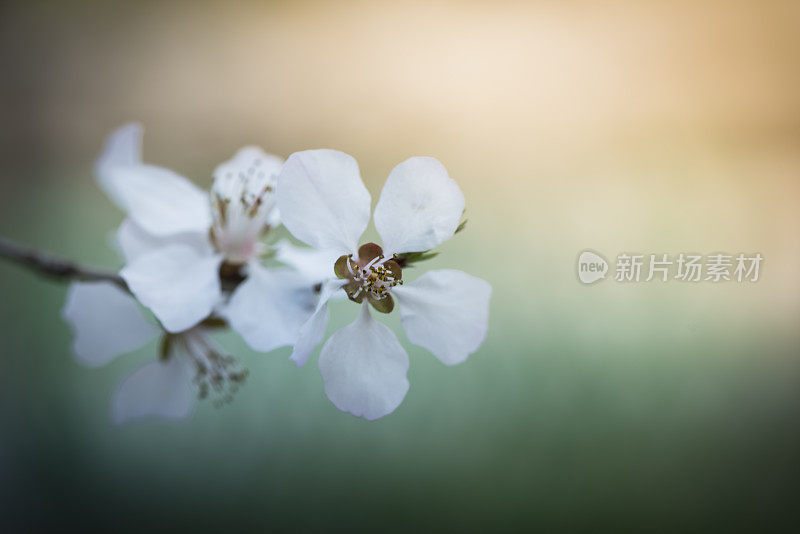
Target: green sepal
{"points": [[351, 289], [214, 321], [394, 269], [384, 305], [164, 347], [340, 267], [367, 252]]}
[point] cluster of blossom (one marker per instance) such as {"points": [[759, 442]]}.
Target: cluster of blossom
{"points": [[689, 267], [199, 261]]}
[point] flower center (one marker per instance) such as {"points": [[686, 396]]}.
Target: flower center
{"points": [[374, 278], [216, 374], [370, 276], [243, 202]]}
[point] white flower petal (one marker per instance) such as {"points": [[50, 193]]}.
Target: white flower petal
{"points": [[419, 208], [180, 285], [322, 199], [313, 329], [159, 389], [133, 241], [314, 263], [364, 368], [269, 308], [274, 219], [123, 147], [447, 312], [160, 201], [249, 169], [244, 199], [105, 321]]}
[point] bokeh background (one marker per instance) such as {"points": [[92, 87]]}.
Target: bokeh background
{"points": [[651, 127]]}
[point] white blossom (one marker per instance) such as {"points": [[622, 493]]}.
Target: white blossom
{"points": [[177, 238], [107, 322], [324, 203]]}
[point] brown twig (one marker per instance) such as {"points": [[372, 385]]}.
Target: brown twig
{"points": [[61, 269], [54, 267]]}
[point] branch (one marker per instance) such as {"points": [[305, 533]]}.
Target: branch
{"points": [[230, 275], [57, 268]]}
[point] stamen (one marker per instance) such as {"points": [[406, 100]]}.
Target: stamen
{"points": [[376, 258], [373, 279], [216, 374], [350, 265], [243, 203]]}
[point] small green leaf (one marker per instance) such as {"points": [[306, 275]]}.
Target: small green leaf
{"points": [[407, 259], [461, 226], [427, 256]]}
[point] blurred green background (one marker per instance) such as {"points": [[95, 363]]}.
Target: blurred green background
{"points": [[618, 126]]}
